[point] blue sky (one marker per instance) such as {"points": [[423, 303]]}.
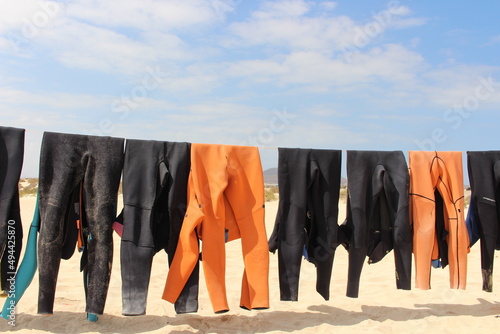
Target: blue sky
{"points": [[371, 75]]}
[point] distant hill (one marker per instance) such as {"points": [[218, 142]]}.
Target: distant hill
{"points": [[271, 176]]}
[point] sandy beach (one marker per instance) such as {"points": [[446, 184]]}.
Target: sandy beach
{"points": [[380, 308]]}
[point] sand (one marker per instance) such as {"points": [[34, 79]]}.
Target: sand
{"points": [[380, 308]]}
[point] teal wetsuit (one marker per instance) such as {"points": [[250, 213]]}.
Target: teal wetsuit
{"points": [[26, 270]]}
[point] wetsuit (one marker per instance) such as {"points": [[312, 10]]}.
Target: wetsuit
{"points": [[377, 214], [68, 162], [225, 202], [155, 176], [306, 222], [484, 176], [11, 229], [439, 230], [27, 269]]}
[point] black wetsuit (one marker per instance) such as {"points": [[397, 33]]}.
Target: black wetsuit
{"points": [[484, 177], [306, 222], [11, 229], [155, 176], [66, 162], [377, 214]]}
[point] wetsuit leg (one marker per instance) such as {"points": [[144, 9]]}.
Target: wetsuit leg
{"points": [[135, 277], [27, 269], [323, 199], [14, 242], [245, 195], [451, 187], [60, 172], [186, 260], [484, 176], [397, 187], [359, 176], [11, 230], [100, 189], [423, 173], [288, 236], [142, 182], [178, 156]]}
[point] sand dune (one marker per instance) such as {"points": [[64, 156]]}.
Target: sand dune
{"points": [[380, 308]]}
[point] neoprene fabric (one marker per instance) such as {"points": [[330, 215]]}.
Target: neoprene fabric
{"points": [[11, 229], [155, 177], [439, 230], [306, 222], [484, 176], [65, 161], [27, 269], [377, 214], [225, 202]]}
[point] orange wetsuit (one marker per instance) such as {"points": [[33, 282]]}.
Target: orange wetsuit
{"points": [[225, 201], [437, 190]]}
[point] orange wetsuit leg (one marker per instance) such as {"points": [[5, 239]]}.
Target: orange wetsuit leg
{"points": [[451, 187], [204, 220], [186, 254], [423, 210], [245, 193], [223, 175]]}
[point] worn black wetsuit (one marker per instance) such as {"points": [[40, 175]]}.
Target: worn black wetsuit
{"points": [[66, 162]]}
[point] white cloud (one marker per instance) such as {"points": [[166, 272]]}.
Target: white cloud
{"points": [[15, 14], [83, 46], [266, 70], [451, 85], [150, 14], [328, 5], [22, 22], [80, 45], [391, 63], [92, 36], [106, 36], [294, 25], [282, 26], [282, 9]]}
